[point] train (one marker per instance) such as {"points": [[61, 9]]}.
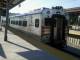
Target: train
{"points": [[49, 24]]}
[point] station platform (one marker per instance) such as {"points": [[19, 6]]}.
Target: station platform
{"points": [[17, 48]]}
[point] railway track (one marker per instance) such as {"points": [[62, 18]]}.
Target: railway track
{"points": [[70, 50]]}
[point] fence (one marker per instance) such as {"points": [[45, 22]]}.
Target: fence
{"points": [[73, 41]]}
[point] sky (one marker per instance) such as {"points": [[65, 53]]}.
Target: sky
{"points": [[29, 5]]}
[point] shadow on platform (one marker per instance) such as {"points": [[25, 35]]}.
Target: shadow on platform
{"points": [[2, 53], [19, 45], [73, 51], [37, 55], [34, 54]]}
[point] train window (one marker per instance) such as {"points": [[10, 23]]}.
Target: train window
{"points": [[20, 23], [13, 22], [47, 21], [48, 12], [36, 22], [16, 22], [24, 23]]}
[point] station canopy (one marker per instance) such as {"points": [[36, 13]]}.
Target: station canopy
{"points": [[12, 3], [75, 10]]}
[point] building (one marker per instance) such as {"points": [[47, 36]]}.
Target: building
{"points": [[73, 13]]}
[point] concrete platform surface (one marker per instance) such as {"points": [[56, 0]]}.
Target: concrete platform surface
{"points": [[18, 49]]}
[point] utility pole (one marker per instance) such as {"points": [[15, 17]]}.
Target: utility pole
{"points": [[7, 18]]}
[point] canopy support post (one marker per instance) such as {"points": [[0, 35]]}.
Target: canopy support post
{"points": [[7, 18]]}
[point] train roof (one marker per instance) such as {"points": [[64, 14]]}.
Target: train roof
{"points": [[37, 11]]}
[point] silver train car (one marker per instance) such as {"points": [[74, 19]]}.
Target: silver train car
{"points": [[31, 22], [49, 24]]}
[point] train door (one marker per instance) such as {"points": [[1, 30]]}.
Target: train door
{"points": [[36, 23], [32, 25]]}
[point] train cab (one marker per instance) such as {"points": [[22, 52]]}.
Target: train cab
{"points": [[55, 25]]}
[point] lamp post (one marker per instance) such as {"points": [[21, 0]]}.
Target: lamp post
{"points": [[7, 18]]}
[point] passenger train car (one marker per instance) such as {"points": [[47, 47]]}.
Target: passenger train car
{"points": [[49, 24], [31, 22]]}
